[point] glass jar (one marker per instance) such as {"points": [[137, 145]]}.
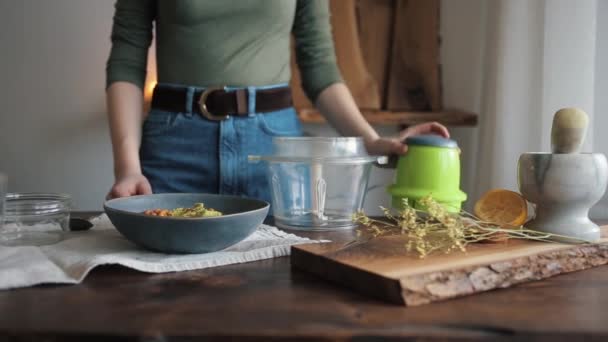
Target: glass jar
{"points": [[35, 218]]}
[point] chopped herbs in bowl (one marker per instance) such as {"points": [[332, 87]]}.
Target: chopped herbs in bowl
{"points": [[198, 210]]}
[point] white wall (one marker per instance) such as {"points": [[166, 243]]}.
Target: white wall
{"points": [[53, 131], [462, 59], [600, 140]]}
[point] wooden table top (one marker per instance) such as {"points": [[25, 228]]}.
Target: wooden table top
{"points": [[269, 300]]}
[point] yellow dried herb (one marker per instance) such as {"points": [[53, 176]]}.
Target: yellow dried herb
{"points": [[435, 229]]}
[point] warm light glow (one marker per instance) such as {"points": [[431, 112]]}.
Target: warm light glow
{"points": [[148, 89], [151, 78]]}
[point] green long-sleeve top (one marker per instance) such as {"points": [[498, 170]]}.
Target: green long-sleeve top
{"points": [[223, 42]]}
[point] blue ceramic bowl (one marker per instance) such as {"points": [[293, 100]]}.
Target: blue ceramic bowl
{"points": [[186, 235]]}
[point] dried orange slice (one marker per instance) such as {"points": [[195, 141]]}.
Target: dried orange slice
{"points": [[502, 207]]}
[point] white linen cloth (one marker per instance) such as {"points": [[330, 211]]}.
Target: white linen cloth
{"points": [[71, 259]]}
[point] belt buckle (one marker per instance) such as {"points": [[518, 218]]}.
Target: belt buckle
{"points": [[203, 105]]}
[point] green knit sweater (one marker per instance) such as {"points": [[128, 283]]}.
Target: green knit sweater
{"points": [[223, 42]]}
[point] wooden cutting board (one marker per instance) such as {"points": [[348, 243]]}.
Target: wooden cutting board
{"points": [[383, 269]]}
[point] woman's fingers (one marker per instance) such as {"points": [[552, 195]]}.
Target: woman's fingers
{"points": [[436, 127], [425, 128], [393, 146], [118, 191], [386, 146], [130, 186], [144, 188]]}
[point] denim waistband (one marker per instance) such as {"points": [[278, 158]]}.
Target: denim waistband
{"points": [[251, 91]]}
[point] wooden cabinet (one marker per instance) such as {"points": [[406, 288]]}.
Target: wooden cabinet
{"points": [[388, 53]]}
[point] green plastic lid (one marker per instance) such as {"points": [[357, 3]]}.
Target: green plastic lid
{"points": [[431, 140]]}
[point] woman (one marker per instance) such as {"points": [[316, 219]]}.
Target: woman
{"points": [[223, 70]]}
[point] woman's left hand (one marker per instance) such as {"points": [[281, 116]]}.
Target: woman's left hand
{"points": [[395, 145]]}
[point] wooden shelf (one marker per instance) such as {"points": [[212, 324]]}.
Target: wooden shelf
{"points": [[374, 117]]}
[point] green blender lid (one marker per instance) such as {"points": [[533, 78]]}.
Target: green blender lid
{"points": [[431, 140]]}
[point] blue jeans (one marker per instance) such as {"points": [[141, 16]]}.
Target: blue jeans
{"points": [[184, 152]]}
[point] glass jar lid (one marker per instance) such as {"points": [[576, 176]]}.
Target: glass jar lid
{"points": [[20, 204]]}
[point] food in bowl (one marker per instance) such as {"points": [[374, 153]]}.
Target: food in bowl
{"points": [[198, 210]]}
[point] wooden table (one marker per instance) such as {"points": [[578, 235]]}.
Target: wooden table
{"points": [[267, 300]]}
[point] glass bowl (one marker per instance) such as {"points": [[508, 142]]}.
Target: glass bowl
{"points": [[35, 218], [317, 183]]}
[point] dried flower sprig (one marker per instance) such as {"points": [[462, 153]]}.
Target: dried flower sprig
{"points": [[435, 229]]}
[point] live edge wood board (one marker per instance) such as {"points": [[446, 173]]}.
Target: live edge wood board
{"points": [[382, 268]]}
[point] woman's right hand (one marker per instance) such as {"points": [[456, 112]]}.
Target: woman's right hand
{"points": [[130, 185]]}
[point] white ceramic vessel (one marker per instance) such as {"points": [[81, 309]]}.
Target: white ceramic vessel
{"points": [[563, 187]]}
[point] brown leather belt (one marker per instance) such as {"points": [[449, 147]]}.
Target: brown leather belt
{"points": [[215, 103]]}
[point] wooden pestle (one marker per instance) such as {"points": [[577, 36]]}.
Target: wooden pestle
{"points": [[569, 130]]}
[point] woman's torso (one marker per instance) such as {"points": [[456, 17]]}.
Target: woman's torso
{"points": [[234, 42]]}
